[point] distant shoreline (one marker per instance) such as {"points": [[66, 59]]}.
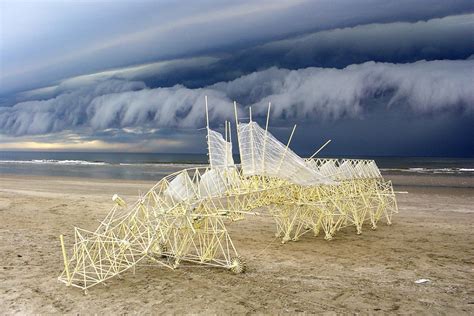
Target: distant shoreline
{"points": [[152, 167], [400, 180]]}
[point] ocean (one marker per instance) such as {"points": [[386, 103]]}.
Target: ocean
{"points": [[154, 166]]}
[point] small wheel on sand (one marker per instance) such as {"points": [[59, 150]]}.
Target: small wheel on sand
{"points": [[160, 249], [238, 265]]}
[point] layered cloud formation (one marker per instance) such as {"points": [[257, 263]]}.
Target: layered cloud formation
{"points": [[308, 94], [397, 42], [83, 37], [114, 76]]}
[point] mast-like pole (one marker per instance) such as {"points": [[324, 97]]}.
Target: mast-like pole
{"points": [[238, 134], [320, 148], [230, 140], [225, 131], [226, 144], [251, 139], [265, 138], [286, 149], [208, 137]]}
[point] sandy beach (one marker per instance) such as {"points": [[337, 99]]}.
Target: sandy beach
{"points": [[432, 238]]}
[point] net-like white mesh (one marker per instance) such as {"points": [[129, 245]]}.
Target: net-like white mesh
{"points": [[373, 170], [181, 188], [357, 169], [220, 151], [262, 154], [328, 169], [212, 183], [360, 170], [346, 170]]}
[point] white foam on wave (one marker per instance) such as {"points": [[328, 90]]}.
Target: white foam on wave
{"points": [[54, 162], [430, 170], [417, 169], [97, 163], [164, 164]]}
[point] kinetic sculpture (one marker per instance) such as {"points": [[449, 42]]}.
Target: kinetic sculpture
{"points": [[183, 218]]}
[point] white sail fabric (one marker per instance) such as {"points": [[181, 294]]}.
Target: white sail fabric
{"points": [[181, 188], [220, 151], [345, 170], [373, 170], [360, 169], [212, 183], [262, 154], [328, 169], [354, 169]]}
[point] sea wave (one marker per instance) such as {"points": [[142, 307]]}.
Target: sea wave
{"points": [[165, 164], [54, 162], [430, 170], [184, 165], [99, 163]]}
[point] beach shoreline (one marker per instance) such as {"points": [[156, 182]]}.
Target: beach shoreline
{"points": [[430, 238]]}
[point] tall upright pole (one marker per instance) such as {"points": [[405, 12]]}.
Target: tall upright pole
{"points": [[225, 144], [238, 134], [230, 141], [208, 136], [225, 130], [251, 139], [265, 138], [230, 133]]}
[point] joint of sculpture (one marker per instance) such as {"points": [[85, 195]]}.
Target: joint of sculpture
{"points": [[184, 217]]}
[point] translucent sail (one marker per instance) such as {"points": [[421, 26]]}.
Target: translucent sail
{"points": [[181, 188], [213, 183], [220, 151], [262, 154], [329, 168]]}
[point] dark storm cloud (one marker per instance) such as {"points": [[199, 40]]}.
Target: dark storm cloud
{"points": [[81, 37], [400, 42], [445, 38], [116, 76], [171, 70], [310, 94]]}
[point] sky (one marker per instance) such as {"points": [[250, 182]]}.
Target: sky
{"points": [[376, 77]]}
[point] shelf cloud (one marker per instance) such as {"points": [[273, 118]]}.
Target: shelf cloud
{"points": [[425, 87], [103, 75]]}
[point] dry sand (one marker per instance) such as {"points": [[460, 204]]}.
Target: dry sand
{"points": [[432, 237]]}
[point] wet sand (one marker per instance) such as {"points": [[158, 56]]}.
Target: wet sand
{"points": [[432, 237]]}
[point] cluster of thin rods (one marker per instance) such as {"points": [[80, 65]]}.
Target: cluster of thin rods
{"points": [[184, 217]]}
